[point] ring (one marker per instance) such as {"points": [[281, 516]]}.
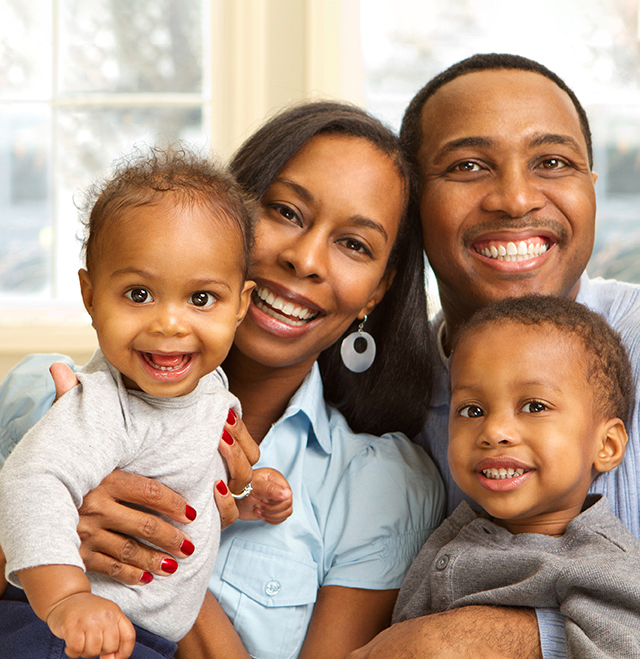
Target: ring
{"points": [[245, 493]]}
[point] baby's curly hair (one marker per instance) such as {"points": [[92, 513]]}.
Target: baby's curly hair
{"points": [[148, 174], [608, 367]]}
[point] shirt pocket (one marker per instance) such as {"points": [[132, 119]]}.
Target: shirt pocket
{"points": [[271, 593]]}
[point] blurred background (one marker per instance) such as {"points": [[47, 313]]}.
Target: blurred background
{"points": [[83, 81]]}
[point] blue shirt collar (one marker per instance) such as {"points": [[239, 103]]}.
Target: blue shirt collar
{"points": [[309, 401]]}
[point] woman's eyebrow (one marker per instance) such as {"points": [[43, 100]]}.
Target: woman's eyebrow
{"points": [[300, 190], [362, 221]]}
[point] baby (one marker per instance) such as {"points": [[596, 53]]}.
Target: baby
{"points": [[540, 390], [167, 256]]}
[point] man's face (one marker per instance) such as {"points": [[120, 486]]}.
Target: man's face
{"points": [[507, 195]]}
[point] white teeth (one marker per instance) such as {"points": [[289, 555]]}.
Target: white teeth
{"points": [[298, 315], [512, 252], [501, 473]]}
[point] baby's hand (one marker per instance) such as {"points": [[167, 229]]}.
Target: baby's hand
{"points": [[92, 626], [270, 499]]}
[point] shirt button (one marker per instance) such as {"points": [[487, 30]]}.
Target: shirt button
{"points": [[442, 562], [272, 588]]}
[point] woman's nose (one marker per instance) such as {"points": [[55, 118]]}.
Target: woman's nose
{"points": [[307, 255]]}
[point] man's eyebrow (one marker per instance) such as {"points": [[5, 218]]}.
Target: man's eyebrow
{"points": [[555, 138], [461, 143]]}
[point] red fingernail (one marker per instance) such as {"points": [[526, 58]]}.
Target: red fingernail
{"points": [[169, 565], [222, 488], [187, 547], [227, 437], [190, 513], [146, 577], [232, 417]]}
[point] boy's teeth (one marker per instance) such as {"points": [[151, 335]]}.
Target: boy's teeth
{"points": [[298, 314], [520, 251], [498, 474]]}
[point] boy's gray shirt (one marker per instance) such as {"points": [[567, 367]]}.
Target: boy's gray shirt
{"points": [[591, 574], [92, 430]]}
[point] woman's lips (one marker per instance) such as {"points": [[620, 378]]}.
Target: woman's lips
{"points": [[283, 310]]}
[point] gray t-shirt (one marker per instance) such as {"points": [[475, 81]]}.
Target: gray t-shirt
{"points": [[92, 430]]}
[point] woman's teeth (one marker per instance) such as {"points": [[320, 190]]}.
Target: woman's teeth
{"points": [[499, 474], [281, 309], [521, 251]]}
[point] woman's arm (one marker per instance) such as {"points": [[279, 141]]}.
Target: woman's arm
{"points": [[345, 619], [212, 635]]}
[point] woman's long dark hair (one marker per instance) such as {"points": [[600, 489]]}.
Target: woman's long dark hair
{"points": [[393, 395]]}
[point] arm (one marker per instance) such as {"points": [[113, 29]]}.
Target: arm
{"points": [[90, 625], [345, 619], [211, 636], [482, 632]]}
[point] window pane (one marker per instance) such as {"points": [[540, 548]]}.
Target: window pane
{"points": [[25, 49], [131, 46], [88, 143], [25, 202]]}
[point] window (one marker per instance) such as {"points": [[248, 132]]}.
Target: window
{"points": [[592, 44], [81, 83]]}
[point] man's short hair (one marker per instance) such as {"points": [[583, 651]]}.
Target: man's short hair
{"points": [[608, 370], [411, 130]]}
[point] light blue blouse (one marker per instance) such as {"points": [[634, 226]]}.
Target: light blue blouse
{"points": [[362, 508]]}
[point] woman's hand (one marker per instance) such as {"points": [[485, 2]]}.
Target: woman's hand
{"points": [[108, 527], [270, 499]]}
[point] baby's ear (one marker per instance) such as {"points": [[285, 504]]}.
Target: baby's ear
{"points": [[611, 450]]}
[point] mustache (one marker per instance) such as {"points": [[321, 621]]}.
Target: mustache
{"points": [[526, 222]]}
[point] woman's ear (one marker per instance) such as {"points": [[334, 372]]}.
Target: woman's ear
{"points": [[87, 290], [378, 294], [611, 450]]}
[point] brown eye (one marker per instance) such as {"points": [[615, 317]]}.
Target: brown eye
{"points": [[202, 299], [139, 295]]}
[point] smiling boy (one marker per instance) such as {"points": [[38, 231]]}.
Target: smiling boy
{"points": [[540, 390]]}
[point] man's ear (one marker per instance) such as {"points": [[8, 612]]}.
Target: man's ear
{"points": [[378, 294], [611, 450], [245, 299], [87, 291]]}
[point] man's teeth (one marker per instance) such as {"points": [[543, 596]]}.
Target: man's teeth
{"points": [[514, 251], [278, 307], [498, 474]]}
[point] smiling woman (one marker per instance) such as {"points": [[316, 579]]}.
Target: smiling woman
{"points": [[333, 245]]}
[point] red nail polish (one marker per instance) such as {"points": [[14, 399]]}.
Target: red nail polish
{"points": [[146, 577], [190, 513], [222, 488], [232, 417], [187, 547], [227, 437], [169, 565]]}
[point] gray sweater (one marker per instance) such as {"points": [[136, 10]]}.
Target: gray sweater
{"points": [[90, 431], [591, 574]]}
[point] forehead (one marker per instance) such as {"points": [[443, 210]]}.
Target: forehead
{"points": [[517, 352], [504, 105]]}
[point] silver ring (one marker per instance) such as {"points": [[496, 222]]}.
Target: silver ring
{"points": [[245, 493]]}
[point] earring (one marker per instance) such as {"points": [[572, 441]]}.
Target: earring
{"points": [[358, 350]]}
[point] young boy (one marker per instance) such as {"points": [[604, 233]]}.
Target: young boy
{"points": [[540, 390], [165, 284]]}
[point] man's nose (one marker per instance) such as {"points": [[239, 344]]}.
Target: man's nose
{"points": [[515, 192]]}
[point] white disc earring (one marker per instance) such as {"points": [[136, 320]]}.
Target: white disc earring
{"points": [[358, 350]]}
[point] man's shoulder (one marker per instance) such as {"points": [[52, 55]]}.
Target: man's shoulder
{"points": [[617, 301]]}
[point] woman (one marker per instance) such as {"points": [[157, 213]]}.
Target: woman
{"points": [[333, 250]]}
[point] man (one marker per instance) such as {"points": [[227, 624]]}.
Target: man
{"points": [[507, 202]]}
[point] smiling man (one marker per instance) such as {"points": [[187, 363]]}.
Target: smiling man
{"points": [[507, 201]]}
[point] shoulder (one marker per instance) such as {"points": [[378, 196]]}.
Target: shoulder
{"points": [[617, 301]]}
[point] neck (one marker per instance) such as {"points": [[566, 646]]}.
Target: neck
{"points": [[264, 391], [553, 523]]}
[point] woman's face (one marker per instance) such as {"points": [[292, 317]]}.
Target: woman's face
{"points": [[326, 228]]}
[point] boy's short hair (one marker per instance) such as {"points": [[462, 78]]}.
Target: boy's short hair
{"points": [[608, 367], [148, 174]]}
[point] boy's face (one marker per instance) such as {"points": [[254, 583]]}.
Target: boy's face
{"points": [[525, 438], [166, 293]]}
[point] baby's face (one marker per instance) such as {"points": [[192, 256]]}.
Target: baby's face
{"points": [[165, 294], [523, 432]]}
